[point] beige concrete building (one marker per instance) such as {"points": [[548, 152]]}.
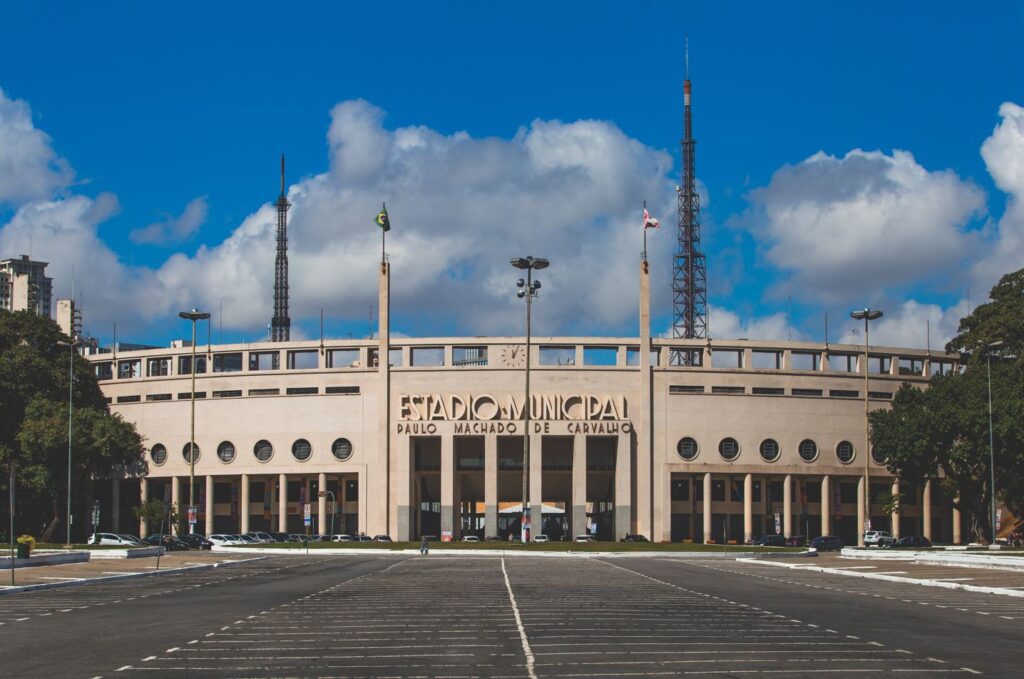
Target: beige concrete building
{"points": [[24, 286], [760, 437]]}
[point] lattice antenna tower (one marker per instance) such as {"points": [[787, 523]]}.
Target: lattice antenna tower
{"points": [[689, 273], [281, 324]]}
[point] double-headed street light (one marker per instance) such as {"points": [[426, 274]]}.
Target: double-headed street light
{"points": [[71, 397], [194, 315], [527, 289], [866, 315], [991, 443]]}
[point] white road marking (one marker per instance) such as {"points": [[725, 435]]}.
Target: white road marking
{"points": [[519, 624]]}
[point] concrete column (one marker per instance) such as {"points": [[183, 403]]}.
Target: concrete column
{"points": [[748, 508], [243, 509], [175, 499], [926, 509], [652, 519], [896, 514], [536, 479], [115, 504], [282, 503], [707, 507], [379, 516], [456, 503], [957, 537], [447, 484], [860, 511], [321, 505], [143, 497], [787, 506], [623, 497], [579, 484], [209, 505], [826, 505], [490, 485]]}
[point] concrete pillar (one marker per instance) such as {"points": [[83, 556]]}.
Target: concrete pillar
{"points": [[707, 508], [623, 497], [860, 511], [143, 497], [447, 484], [787, 506], [579, 484], [115, 504], [652, 519], [490, 485], [321, 504], [456, 503], [896, 514], [209, 505], [175, 499], [748, 508], [243, 509], [378, 516], [926, 509], [282, 503], [957, 537], [536, 479], [826, 506]]}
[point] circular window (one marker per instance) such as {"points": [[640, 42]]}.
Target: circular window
{"points": [[263, 450], [808, 450], [195, 453], [159, 454], [687, 448], [729, 449], [769, 450], [845, 452], [877, 456], [226, 451], [342, 449], [301, 450]]}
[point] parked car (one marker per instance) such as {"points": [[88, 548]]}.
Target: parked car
{"points": [[635, 538], [382, 538], [264, 538], [540, 537], [584, 538], [196, 541], [168, 542], [133, 539], [223, 540], [826, 543], [494, 538], [113, 539], [877, 538], [470, 538], [796, 541], [910, 542], [361, 538], [296, 537], [770, 541], [341, 537]]}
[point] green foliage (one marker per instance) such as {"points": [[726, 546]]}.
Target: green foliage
{"points": [[156, 513]]}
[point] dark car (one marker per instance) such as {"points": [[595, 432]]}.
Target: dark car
{"points": [[771, 541], [168, 542], [826, 543], [196, 541], [911, 542], [635, 538], [361, 538]]}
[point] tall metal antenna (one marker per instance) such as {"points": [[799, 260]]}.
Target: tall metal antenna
{"points": [[281, 324], [689, 274]]}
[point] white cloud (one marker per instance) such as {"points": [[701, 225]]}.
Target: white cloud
{"points": [[1003, 153], [912, 324], [174, 229], [29, 167], [725, 324], [848, 227]]}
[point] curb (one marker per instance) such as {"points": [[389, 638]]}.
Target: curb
{"points": [[505, 553], [895, 578], [45, 559], [127, 576]]}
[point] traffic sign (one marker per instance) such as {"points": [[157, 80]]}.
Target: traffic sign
{"points": [[307, 514], [192, 515]]}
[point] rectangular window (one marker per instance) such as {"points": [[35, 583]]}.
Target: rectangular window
{"points": [[600, 355], [104, 371], [717, 491], [343, 358], [633, 357], [691, 358], [912, 366], [941, 367], [880, 364], [726, 358], [698, 489], [303, 360], [342, 390], [557, 355], [426, 460], [686, 389], [880, 395], [728, 390], [807, 392], [775, 491], [256, 491], [842, 363], [848, 493], [766, 360], [227, 363], [301, 391], [351, 490], [768, 391], [158, 397], [158, 367], [426, 356], [736, 490], [757, 491], [471, 462], [222, 492], [680, 491], [129, 369], [805, 360], [185, 365], [229, 393], [128, 399], [185, 395], [812, 491], [294, 490], [264, 360], [264, 392], [843, 393], [465, 356]]}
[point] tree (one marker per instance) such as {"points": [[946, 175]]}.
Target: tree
{"points": [[157, 514], [34, 421]]}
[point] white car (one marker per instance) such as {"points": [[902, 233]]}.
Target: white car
{"points": [[583, 538], [470, 538], [877, 538], [114, 539], [341, 538], [540, 538], [221, 540]]}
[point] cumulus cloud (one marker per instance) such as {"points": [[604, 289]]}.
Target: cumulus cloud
{"points": [[174, 229], [29, 167], [864, 222], [911, 324], [1003, 153], [723, 324]]}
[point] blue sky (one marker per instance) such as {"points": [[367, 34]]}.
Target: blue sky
{"points": [[148, 110]]}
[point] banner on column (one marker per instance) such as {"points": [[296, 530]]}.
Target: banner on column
{"points": [[778, 524]]}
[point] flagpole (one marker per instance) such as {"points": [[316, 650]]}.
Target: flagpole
{"points": [[383, 237], [645, 234]]}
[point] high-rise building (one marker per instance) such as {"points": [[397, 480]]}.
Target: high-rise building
{"points": [[69, 318], [24, 286]]}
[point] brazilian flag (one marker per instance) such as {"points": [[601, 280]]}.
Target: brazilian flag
{"points": [[382, 219]]}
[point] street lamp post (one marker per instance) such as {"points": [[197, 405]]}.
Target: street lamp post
{"points": [[71, 397], [194, 315], [866, 315], [991, 444], [528, 290]]}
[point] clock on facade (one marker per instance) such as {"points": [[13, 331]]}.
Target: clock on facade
{"points": [[513, 355]]}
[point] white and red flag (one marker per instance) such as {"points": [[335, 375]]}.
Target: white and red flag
{"points": [[650, 222]]}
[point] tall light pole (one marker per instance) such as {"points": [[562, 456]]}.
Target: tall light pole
{"points": [[71, 397], [528, 290], [866, 315], [991, 442], [194, 315]]}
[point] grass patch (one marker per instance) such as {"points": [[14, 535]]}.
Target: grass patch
{"points": [[54, 545], [536, 547]]}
